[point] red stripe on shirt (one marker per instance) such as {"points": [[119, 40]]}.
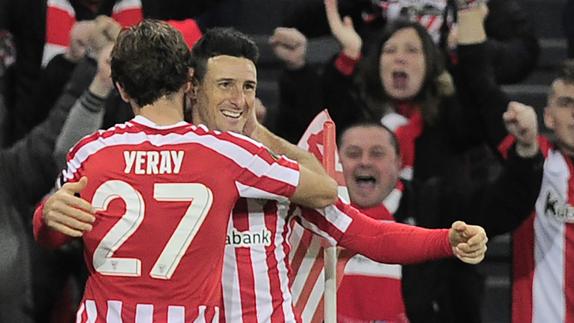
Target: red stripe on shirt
{"points": [[322, 222], [271, 218], [246, 277], [319, 313], [300, 251], [313, 276], [523, 272], [355, 298]]}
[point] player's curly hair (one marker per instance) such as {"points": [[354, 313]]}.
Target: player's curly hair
{"points": [[150, 60]]}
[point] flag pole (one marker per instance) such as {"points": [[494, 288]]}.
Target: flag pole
{"points": [[330, 252]]}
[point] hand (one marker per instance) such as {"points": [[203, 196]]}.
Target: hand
{"points": [[252, 124], [520, 121], [290, 46], [68, 214], [79, 40], [468, 242], [105, 31], [471, 25], [260, 111], [102, 83], [343, 30], [468, 4]]}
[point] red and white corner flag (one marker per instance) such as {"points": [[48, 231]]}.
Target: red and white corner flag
{"points": [[307, 250]]}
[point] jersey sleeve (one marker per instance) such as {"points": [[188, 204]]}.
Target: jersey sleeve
{"points": [[76, 157], [263, 175], [382, 241], [45, 236]]}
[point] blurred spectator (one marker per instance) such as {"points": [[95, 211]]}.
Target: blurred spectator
{"points": [[87, 37], [434, 291], [7, 58], [402, 82], [42, 29], [405, 85], [26, 174], [60, 275], [512, 45], [543, 282]]}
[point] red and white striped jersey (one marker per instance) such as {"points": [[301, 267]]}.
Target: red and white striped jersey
{"points": [[366, 282], [263, 275], [255, 281], [543, 264], [257, 269], [163, 197], [256, 273]]}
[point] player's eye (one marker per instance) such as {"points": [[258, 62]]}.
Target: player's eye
{"points": [[249, 86], [225, 84]]}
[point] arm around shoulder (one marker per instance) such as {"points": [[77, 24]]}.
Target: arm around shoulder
{"points": [[314, 190]]}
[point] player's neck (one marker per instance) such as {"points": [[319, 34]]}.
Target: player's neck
{"points": [[163, 112]]}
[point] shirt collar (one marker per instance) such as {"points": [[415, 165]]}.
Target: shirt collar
{"points": [[148, 123]]}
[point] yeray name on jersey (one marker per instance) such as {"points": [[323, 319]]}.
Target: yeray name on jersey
{"points": [[153, 162]]}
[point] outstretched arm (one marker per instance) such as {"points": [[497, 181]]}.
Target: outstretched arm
{"points": [[392, 242]]}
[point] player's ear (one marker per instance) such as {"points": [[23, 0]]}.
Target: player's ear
{"points": [[194, 84], [548, 118], [123, 93]]}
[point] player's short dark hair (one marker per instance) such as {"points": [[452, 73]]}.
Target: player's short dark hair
{"points": [[221, 41], [150, 60], [566, 72]]}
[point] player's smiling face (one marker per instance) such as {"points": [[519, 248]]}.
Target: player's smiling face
{"points": [[227, 93]]}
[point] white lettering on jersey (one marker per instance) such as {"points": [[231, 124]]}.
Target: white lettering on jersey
{"points": [[153, 162], [240, 239]]}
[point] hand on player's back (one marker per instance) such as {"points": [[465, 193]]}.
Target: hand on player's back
{"points": [[67, 213]]}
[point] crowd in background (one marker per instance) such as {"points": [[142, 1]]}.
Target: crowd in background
{"points": [[415, 92]]}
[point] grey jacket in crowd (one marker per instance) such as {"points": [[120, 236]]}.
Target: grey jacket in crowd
{"points": [[27, 173]]}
